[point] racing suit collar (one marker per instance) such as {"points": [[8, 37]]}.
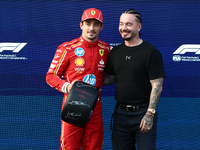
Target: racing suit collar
{"points": [[89, 44]]}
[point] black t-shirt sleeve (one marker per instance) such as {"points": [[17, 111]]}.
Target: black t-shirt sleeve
{"points": [[109, 67], [156, 67]]}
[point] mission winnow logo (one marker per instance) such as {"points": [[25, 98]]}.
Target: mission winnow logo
{"points": [[13, 49], [187, 52]]}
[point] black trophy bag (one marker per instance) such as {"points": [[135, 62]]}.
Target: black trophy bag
{"points": [[80, 103]]}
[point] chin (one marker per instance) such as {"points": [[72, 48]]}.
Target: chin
{"points": [[91, 38], [126, 38]]}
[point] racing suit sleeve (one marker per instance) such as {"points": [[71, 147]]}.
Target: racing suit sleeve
{"points": [[56, 70]]}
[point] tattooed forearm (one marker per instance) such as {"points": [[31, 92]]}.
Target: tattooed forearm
{"points": [[155, 92], [108, 79]]}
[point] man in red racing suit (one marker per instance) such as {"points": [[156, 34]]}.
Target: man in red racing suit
{"points": [[81, 59]]}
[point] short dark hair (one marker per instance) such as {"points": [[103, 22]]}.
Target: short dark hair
{"points": [[133, 11]]}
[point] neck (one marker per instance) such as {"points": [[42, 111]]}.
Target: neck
{"points": [[90, 40], [133, 42], [90, 44]]}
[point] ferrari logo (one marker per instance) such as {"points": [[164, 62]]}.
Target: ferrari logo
{"points": [[93, 12], [101, 52]]}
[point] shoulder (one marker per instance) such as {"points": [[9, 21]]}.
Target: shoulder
{"points": [[104, 45], [117, 48], [150, 48], [151, 52], [70, 44], [116, 52]]}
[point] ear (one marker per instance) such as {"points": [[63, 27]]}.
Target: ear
{"points": [[102, 26], [139, 26], [81, 25]]}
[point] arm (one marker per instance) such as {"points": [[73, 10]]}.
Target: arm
{"points": [[108, 79], [56, 70], [155, 92], [147, 121]]}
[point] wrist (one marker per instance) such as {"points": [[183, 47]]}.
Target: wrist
{"points": [[65, 87], [149, 114], [151, 111]]}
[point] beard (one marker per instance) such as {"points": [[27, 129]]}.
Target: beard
{"points": [[92, 37], [127, 38]]}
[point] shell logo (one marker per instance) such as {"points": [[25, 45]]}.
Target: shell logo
{"points": [[79, 61]]}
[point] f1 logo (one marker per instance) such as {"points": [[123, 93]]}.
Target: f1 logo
{"points": [[14, 47], [188, 48]]}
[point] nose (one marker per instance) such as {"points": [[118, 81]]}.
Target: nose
{"points": [[92, 27]]}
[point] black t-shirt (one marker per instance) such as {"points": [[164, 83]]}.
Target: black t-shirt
{"points": [[133, 68]]}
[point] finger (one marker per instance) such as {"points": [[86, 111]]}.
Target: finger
{"points": [[69, 88], [149, 126], [146, 128], [141, 123], [143, 129], [70, 85], [73, 82]]}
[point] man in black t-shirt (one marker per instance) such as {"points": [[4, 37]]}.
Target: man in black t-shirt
{"points": [[137, 68]]}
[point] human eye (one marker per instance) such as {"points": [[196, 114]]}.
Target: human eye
{"points": [[97, 24], [129, 24], [87, 23], [120, 24]]}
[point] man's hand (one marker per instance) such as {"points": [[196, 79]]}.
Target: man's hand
{"points": [[146, 123], [70, 86]]}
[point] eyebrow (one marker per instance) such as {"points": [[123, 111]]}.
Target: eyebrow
{"points": [[126, 22]]}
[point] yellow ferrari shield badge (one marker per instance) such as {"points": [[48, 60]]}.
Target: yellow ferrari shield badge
{"points": [[93, 12], [101, 52]]}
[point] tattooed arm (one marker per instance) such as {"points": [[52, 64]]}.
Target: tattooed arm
{"points": [[108, 79], [147, 121], [155, 92]]}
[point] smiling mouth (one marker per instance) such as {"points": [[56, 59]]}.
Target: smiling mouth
{"points": [[124, 30], [125, 33]]}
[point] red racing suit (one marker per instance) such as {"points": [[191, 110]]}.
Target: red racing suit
{"points": [[85, 61]]}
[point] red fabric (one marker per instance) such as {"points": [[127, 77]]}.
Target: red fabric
{"points": [[92, 13], [84, 61], [90, 137], [67, 64]]}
